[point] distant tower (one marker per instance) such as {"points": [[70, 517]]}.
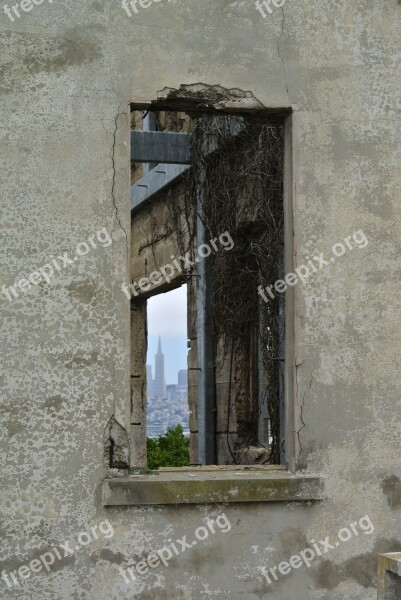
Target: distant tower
{"points": [[160, 382], [150, 382], [183, 378]]}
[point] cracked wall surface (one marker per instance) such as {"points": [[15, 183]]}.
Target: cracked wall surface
{"points": [[69, 72]]}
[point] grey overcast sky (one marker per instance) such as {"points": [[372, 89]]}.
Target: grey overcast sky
{"points": [[167, 317]]}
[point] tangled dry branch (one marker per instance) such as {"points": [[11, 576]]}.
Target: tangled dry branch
{"points": [[237, 173]]}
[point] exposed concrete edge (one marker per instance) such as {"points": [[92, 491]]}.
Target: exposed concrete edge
{"points": [[203, 97], [388, 563], [210, 487]]}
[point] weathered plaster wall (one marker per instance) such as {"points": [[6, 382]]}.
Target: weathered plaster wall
{"points": [[69, 70]]}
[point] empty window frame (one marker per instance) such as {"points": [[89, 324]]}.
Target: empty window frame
{"points": [[207, 210]]}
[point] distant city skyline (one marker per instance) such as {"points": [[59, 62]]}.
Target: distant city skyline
{"points": [[167, 317], [167, 405], [175, 357]]}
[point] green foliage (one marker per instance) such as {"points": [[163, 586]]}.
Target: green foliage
{"points": [[169, 450]]}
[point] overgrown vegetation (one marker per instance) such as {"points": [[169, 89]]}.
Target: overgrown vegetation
{"points": [[241, 187], [169, 450], [236, 185]]}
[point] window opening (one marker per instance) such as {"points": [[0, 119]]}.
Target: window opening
{"points": [[209, 187]]}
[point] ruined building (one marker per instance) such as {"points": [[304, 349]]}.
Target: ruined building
{"points": [[250, 152]]}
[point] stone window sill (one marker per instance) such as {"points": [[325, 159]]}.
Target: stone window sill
{"points": [[205, 485]]}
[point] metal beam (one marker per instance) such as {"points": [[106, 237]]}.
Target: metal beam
{"points": [[165, 174], [157, 146], [154, 182], [204, 342]]}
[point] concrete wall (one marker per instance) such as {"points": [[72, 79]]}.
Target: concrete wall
{"points": [[69, 71]]}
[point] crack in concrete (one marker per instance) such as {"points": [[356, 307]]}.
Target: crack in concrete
{"points": [[112, 157], [301, 415], [278, 51]]}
